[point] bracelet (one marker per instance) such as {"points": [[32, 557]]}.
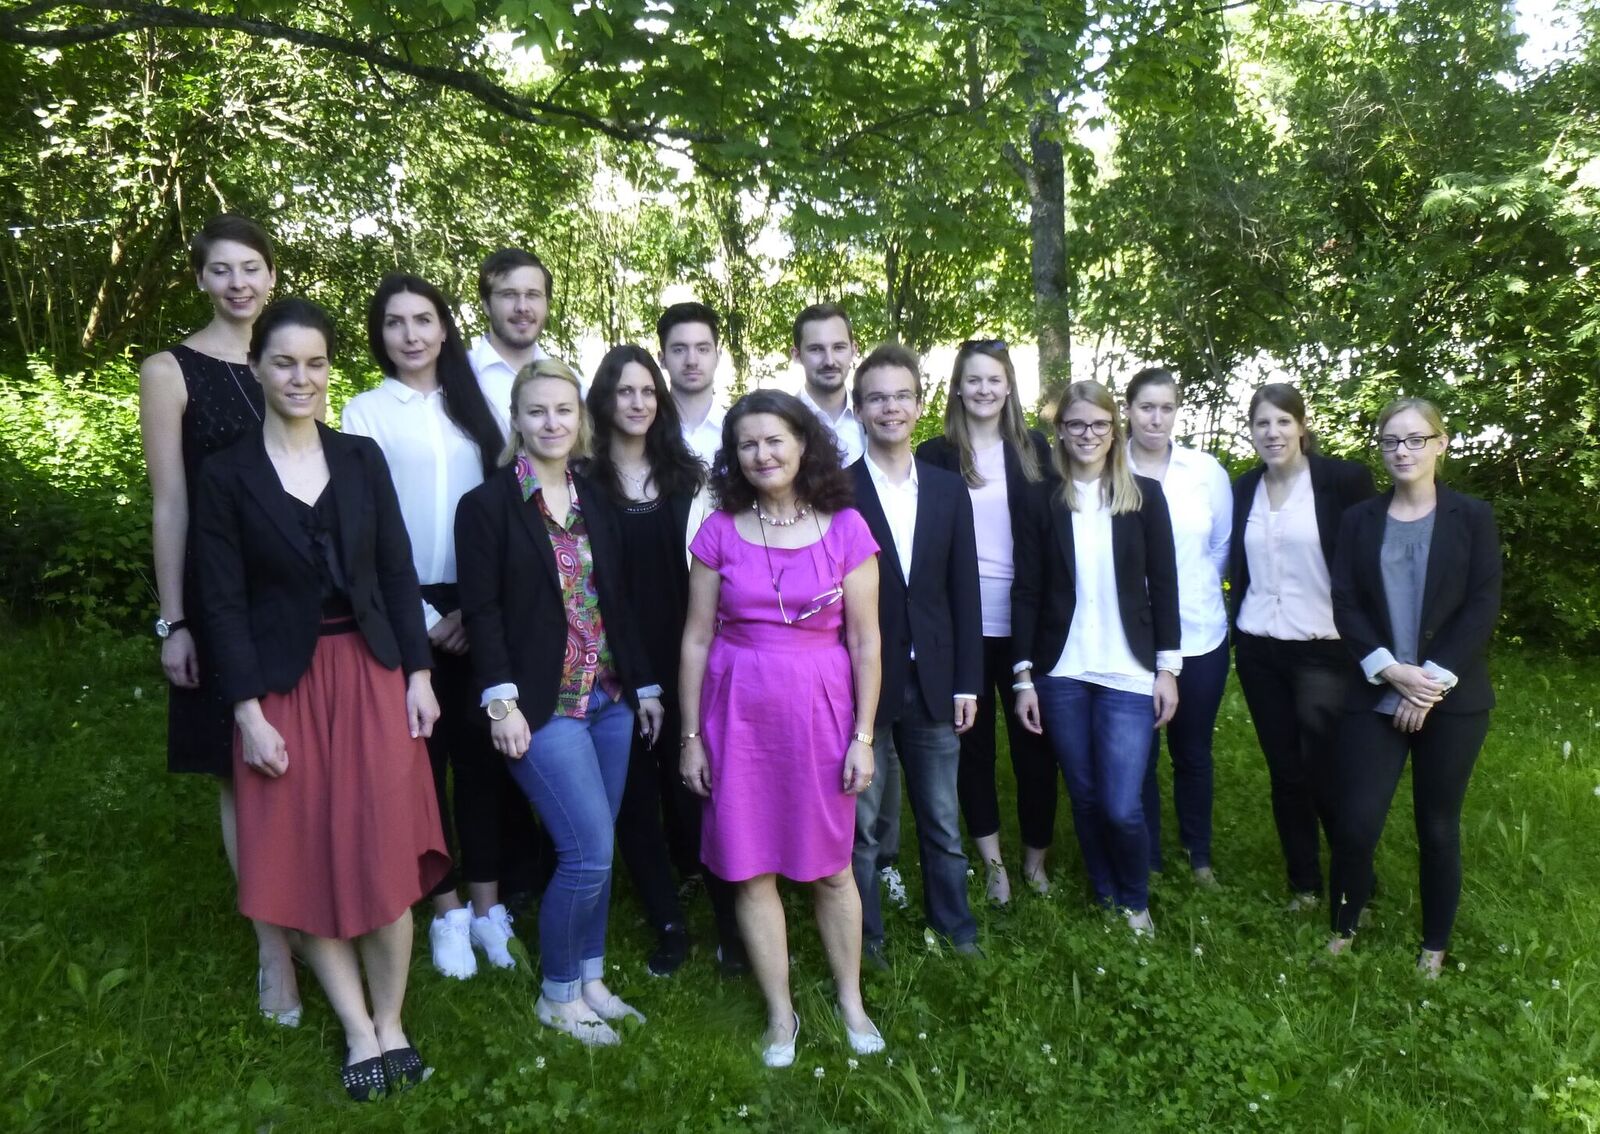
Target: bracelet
{"points": [[1021, 686], [863, 737], [688, 736]]}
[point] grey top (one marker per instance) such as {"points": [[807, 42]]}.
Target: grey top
{"points": [[1404, 562]]}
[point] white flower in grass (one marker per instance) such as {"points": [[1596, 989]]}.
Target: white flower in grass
{"points": [[818, 1073], [852, 1064], [1254, 1106], [744, 1111], [1425, 1004], [1204, 920], [971, 873], [1052, 1061], [1597, 789], [922, 1035], [539, 1062], [1528, 1004], [1507, 948], [1566, 749], [137, 692], [934, 1069], [1556, 984], [1144, 961], [1099, 971], [1402, 1051], [1045, 1048], [888, 1061], [1199, 952], [1282, 979], [1461, 966]]}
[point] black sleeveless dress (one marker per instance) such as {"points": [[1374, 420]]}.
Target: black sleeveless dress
{"points": [[225, 403]]}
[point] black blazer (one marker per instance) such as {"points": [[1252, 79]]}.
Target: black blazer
{"points": [[511, 592], [1044, 593], [1335, 485], [1460, 595], [942, 453], [937, 610], [256, 565]]}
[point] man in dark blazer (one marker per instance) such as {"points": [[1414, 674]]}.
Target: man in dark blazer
{"points": [[932, 628]]}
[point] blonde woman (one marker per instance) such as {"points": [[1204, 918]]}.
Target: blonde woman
{"points": [[987, 440], [555, 651], [1095, 604]]}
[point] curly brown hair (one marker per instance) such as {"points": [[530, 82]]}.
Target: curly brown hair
{"points": [[820, 483]]}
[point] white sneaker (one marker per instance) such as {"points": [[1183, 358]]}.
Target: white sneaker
{"points": [[491, 933], [895, 885], [452, 945], [1140, 921]]}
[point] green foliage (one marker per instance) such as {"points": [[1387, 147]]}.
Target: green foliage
{"points": [[130, 999], [73, 495]]}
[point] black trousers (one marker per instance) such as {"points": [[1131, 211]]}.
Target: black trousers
{"points": [[1372, 754], [650, 848], [493, 824], [1296, 694], [1031, 760]]}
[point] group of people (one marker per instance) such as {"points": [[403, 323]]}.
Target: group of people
{"points": [[724, 641]]}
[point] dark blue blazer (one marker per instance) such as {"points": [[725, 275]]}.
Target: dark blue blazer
{"points": [[257, 566], [1044, 594], [1460, 595], [937, 609], [1335, 485], [511, 601]]}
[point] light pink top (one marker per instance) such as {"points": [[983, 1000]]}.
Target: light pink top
{"points": [[991, 521], [1290, 596]]}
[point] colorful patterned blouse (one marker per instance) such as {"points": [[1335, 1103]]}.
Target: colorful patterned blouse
{"points": [[587, 660]]}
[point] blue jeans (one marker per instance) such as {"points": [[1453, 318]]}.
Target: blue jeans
{"points": [[1189, 733], [1101, 738], [573, 773], [928, 749]]}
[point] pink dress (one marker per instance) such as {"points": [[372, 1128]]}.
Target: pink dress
{"points": [[778, 704]]}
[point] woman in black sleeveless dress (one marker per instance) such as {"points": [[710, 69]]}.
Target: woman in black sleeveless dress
{"points": [[195, 399]]}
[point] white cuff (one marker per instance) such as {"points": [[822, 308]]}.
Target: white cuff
{"points": [[430, 617], [1020, 666], [966, 696], [1440, 674], [506, 691], [1375, 663], [1170, 660], [648, 691]]}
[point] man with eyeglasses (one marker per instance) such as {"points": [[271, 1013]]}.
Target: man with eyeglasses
{"points": [[931, 624], [825, 348], [514, 287]]}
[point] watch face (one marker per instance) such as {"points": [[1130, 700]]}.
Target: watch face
{"points": [[162, 628], [499, 710]]}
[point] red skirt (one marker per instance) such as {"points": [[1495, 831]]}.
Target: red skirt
{"points": [[348, 838]]}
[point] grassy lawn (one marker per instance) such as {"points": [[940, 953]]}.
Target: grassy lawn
{"points": [[127, 997]]}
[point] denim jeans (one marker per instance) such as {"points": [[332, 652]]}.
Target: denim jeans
{"points": [[928, 750], [1189, 733], [1101, 739], [573, 773]]}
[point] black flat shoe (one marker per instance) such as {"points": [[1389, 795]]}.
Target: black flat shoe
{"points": [[672, 950], [364, 1081], [404, 1069]]}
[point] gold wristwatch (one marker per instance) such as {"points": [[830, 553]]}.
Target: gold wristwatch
{"points": [[500, 707]]}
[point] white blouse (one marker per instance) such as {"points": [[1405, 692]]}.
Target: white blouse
{"points": [[991, 521], [1200, 501], [433, 465], [1291, 594], [1097, 646]]}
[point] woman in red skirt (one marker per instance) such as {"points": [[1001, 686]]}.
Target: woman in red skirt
{"points": [[314, 611]]}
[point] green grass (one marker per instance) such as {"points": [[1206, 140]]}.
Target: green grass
{"points": [[127, 1000]]}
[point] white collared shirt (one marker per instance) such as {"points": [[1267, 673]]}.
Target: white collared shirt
{"points": [[1291, 594], [706, 438], [1200, 502], [432, 463], [495, 376], [846, 429], [899, 503]]}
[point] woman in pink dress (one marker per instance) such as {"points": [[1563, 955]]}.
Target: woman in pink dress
{"points": [[779, 691]]}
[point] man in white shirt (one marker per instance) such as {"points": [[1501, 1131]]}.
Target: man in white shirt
{"points": [[931, 626], [514, 287], [689, 337], [825, 348]]}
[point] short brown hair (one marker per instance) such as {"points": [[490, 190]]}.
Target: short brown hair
{"points": [[818, 313], [229, 226], [888, 355]]}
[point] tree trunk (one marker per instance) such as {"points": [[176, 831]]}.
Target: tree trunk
{"points": [[1052, 285]]}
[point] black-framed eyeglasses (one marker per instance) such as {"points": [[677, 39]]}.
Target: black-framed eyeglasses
{"points": [[1414, 442], [984, 344], [1078, 428]]}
